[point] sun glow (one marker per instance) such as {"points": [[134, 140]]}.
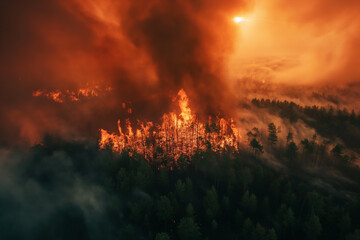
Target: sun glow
{"points": [[238, 19]]}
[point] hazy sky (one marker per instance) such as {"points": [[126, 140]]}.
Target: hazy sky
{"points": [[147, 50], [304, 41]]}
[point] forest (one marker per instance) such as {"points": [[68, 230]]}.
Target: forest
{"points": [[73, 190], [179, 120], [328, 122]]}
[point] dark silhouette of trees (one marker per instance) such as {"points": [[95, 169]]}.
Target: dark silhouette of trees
{"points": [[292, 151], [272, 138], [338, 152], [211, 203], [165, 210], [312, 227], [286, 219], [162, 236], [254, 143], [256, 146], [233, 195], [289, 137], [190, 212], [188, 229], [254, 133], [353, 236], [249, 203], [217, 195], [331, 123]]}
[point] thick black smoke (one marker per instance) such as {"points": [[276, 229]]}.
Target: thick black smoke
{"points": [[146, 51]]}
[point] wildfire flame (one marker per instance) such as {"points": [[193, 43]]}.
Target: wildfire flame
{"points": [[73, 96], [177, 135]]}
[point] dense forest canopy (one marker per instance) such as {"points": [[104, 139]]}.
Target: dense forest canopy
{"points": [[75, 191]]}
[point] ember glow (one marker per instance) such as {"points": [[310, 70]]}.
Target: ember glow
{"points": [[177, 135], [68, 95]]}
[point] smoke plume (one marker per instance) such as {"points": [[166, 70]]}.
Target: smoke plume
{"points": [[145, 51]]}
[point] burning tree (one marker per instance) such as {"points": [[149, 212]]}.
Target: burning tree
{"points": [[178, 135]]}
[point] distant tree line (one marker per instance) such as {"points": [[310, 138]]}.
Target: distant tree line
{"points": [[307, 151], [328, 122]]}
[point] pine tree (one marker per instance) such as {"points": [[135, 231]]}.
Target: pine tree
{"points": [[289, 137], [188, 229], [292, 151], [312, 227], [272, 134], [257, 147], [164, 209], [162, 236], [211, 203]]}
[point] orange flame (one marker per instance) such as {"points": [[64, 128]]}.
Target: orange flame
{"points": [[56, 96], [176, 136], [60, 97]]}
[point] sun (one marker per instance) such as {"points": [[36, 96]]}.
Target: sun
{"points": [[238, 19]]}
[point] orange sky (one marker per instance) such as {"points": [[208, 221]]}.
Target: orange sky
{"points": [[304, 41], [147, 50]]}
